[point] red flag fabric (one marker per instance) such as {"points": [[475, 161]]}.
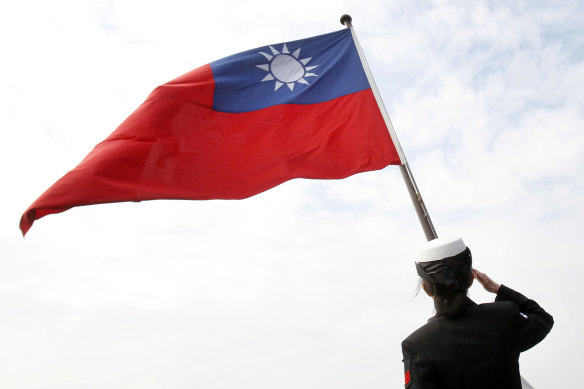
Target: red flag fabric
{"points": [[235, 128]]}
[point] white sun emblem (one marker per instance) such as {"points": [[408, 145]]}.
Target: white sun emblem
{"points": [[286, 68]]}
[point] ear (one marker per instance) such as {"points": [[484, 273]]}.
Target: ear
{"points": [[427, 290]]}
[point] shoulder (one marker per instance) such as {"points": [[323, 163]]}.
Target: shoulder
{"points": [[415, 341], [413, 349], [501, 318], [499, 308]]}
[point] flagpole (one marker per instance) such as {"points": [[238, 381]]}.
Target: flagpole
{"points": [[406, 172]]}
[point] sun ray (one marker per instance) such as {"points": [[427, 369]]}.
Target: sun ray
{"points": [[286, 68], [268, 56]]}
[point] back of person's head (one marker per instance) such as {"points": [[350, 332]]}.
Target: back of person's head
{"points": [[445, 267]]}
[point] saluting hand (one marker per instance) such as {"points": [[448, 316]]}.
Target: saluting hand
{"points": [[486, 282]]}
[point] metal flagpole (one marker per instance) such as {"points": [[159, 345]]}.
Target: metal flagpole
{"points": [[413, 190]]}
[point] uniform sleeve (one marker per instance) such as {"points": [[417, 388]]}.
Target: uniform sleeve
{"points": [[534, 323], [419, 372]]}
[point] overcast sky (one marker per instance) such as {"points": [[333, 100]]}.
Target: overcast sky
{"points": [[311, 284]]}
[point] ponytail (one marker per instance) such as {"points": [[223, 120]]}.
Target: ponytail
{"points": [[449, 301], [450, 304]]}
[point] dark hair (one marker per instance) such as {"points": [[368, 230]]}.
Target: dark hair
{"points": [[449, 301], [448, 281]]}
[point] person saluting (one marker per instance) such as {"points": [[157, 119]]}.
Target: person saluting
{"points": [[466, 345]]}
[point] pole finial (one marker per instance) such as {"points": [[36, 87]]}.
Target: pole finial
{"points": [[346, 20]]}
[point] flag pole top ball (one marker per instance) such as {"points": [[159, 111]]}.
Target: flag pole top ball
{"points": [[346, 20], [440, 248]]}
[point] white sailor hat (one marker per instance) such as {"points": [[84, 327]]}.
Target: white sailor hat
{"points": [[440, 248]]}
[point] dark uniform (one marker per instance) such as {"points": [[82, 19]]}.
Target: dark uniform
{"points": [[479, 349]]}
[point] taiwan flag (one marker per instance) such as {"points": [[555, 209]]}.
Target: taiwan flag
{"points": [[237, 127]]}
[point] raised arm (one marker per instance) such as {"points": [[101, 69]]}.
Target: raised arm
{"points": [[534, 323]]}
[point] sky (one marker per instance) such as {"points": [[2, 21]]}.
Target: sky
{"points": [[310, 284]]}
